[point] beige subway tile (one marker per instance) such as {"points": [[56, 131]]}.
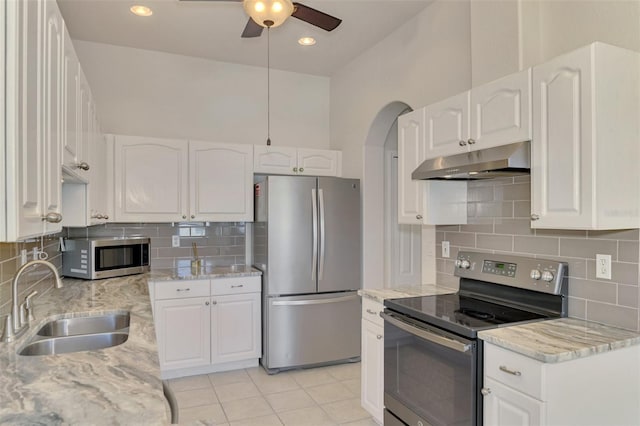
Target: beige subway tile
{"points": [[461, 239], [517, 191], [522, 209], [567, 233], [513, 226], [625, 273], [493, 209], [494, 242], [585, 248], [619, 316], [628, 295], [484, 225], [622, 234], [522, 179], [447, 228], [599, 291], [8, 251], [628, 251], [439, 237], [483, 193], [439, 261], [536, 245], [577, 308], [232, 250]]}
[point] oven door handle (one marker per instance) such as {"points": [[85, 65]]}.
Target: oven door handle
{"points": [[427, 335]]}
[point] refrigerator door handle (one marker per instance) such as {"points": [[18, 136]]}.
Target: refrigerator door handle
{"points": [[321, 268], [314, 301], [314, 225]]}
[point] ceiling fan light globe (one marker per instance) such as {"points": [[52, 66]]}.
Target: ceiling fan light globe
{"points": [[268, 13]]}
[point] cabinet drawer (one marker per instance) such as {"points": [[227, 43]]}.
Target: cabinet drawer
{"points": [[371, 311], [181, 289], [238, 285], [517, 371]]}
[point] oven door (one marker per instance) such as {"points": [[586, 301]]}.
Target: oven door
{"points": [[430, 375]]}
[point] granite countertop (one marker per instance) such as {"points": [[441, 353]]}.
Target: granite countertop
{"points": [[117, 385], [171, 274], [380, 294], [559, 340]]}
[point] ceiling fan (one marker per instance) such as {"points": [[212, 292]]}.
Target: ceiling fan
{"points": [[272, 13]]}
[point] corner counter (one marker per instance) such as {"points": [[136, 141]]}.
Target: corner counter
{"points": [[380, 294], [117, 385]]}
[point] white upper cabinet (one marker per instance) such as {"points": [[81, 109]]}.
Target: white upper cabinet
{"points": [[494, 114], [71, 140], [220, 182], [287, 160], [585, 149], [151, 179]]}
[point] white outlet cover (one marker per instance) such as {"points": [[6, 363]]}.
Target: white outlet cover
{"points": [[603, 266], [175, 241], [446, 249]]}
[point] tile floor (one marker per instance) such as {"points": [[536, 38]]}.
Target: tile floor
{"points": [[318, 396]]}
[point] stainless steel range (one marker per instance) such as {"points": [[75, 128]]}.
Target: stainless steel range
{"points": [[433, 358]]}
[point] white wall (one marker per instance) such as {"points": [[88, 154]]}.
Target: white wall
{"points": [[147, 93], [425, 60]]}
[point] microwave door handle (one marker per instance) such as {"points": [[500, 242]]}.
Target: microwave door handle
{"points": [[427, 335], [314, 232]]}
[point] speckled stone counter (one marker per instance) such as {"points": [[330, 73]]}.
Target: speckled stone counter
{"points": [[117, 385], [380, 294], [560, 340], [206, 273]]}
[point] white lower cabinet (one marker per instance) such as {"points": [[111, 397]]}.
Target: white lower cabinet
{"points": [[372, 357], [204, 326], [595, 390]]}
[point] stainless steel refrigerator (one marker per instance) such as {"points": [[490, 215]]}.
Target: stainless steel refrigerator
{"points": [[306, 241]]}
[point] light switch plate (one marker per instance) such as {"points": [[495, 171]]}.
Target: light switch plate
{"points": [[175, 241], [603, 266], [445, 249]]}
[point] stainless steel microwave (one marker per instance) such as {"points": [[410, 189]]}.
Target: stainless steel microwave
{"points": [[97, 258]]}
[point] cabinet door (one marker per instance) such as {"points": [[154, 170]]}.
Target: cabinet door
{"points": [[54, 89], [562, 146], [151, 179], [85, 124], [221, 182], [501, 111], [447, 127], [183, 330], [372, 368], [319, 162], [506, 406], [410, 192], [235, 328], [71, 138], [97, 187], [275, 159]]}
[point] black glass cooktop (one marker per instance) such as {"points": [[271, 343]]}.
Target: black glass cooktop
{"points": [[460, 314]]}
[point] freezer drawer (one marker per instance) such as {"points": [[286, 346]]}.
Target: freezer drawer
{"points": [[313, 329]]}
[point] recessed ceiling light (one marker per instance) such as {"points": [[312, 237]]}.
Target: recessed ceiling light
{"points": [[141, 10], [307, 41]]}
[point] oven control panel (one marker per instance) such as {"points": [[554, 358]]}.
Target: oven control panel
{"points": [[548, 276]]}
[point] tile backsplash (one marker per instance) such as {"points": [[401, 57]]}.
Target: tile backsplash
{"points": [[499, 211]]}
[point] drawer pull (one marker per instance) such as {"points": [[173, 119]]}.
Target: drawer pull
{"points": [[183, 289], [379, 336], [485, 391], [506, 370], [369, 311], [237, 286]]}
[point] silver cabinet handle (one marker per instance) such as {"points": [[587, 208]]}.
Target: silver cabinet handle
{"points": [[52, 217], [379, 336], [183, 289], [462, 143], [419, 216], [314, 301], [237, 286], [82, 166], [295, 170], [508, 371], [184, 216], [369, 311], [213, 302], [193, 216], [106, 217], [206, 303], [485, 391], [534, 216], [301, 169], [471, 141]]}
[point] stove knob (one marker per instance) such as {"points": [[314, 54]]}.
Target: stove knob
{"points": [[547, 276], [535, 274], [458, 263], [465, 264]]}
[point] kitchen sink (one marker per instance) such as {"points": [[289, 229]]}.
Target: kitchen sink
{"points": [[85, 325], [83, 342]]}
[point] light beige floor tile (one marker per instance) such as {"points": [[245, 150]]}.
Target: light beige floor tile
{"points": [[345, 411], [235, 391], [364, 422], [312, 377], [312, 416], [207, 414], [189, 383], [330, 392], [280, 382], [354, 385], [228, 377], [195, 398], [242, 409], [345, 371], [271, 420], [290, 400]]}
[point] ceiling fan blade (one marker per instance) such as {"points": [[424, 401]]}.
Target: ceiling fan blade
{"points": [[315, 17], [252, 29]]}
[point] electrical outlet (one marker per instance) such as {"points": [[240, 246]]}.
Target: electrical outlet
{"points": [[445, 249], [603, 266], [175, 241], [23, 257]]}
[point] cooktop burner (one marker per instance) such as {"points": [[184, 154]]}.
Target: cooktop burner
{"points": [[459, 313]]}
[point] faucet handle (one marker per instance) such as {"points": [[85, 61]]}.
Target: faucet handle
{"points": [[28, 306]]}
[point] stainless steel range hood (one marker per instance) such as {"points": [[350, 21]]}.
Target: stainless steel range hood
{"points": [[507, 160]]}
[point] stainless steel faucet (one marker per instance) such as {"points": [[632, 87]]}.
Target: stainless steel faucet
{"points": [[16, 324]]}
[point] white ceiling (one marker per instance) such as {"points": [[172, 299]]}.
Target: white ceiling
{"points": [[211, 29]]}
